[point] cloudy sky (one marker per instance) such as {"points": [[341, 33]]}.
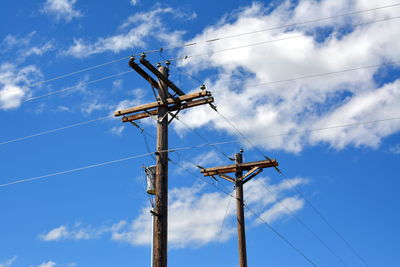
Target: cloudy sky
{"points": [[314, 84]]}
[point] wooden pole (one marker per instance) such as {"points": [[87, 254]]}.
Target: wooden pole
{"points": [[160, 232], [240, 213]]}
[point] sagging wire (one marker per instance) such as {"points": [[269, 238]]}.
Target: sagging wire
{"points": [[302, 222]]}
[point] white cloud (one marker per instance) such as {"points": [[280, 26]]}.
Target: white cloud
{"points": [[8, 262], [14, 84], [134, 2], [293, 107], [192, 221], [61, 9], [395, 149], [117, 130], [75, 233], [47, 264], [135, 30], [195, 217]]}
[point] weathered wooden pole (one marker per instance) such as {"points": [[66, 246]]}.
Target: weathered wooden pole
{"points": [[160, 231], [240, 212], [165, 104]]}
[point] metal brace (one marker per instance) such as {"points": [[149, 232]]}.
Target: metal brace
{"points": [[173, 116]]}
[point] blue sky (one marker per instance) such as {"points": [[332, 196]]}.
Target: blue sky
{"points": [[321, 97]]}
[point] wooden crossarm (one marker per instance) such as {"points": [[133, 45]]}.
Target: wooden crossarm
{"points": [[162, 77], [173, 108], [168, 101], [235, 167], [142, 73]]}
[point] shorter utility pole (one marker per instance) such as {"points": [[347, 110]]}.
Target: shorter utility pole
{"points": [[253, 169]]}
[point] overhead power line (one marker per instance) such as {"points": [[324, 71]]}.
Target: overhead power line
{"points": [[201, 146], [325, 74], [280, 235], [325, 220], [54, 130], [210, 40], [210, 53], [282, 26], [76, 86], [76, 72], [308, 201], [308, 228], [73, 170]]}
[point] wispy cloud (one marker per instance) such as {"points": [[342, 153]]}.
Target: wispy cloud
{"points": [[395, 149], [8, 262], [47, 264], [61, 9], [19, 48], [192, 221], [76, 232], [295, 106], [134, 31]]}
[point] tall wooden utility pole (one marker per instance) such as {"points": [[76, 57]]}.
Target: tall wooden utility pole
{"points": [[253, 169], [166, 103], [160, 234]]}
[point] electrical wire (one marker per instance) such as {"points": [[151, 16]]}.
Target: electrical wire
{"points": [[279, 234], [258, 216], [211, 144], [308, 201], [324, 74], [225, 215], [75, 86], [303, 223], [325, 220], [72, 170], [207, 42], [200, 146], [203, 138], [54, 130], [280, 27], [76, 72], [210, 53]]}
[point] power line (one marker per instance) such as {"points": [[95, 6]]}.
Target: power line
{"points": [[54, 130], [325, 220], [203, 138], [303, 223], [76, 72], [279, 234], [258, 216], [325, 73], [76, 86], [195, 147], [281, 27], [265, 42], [72, 170], [207, 42], [308, 201], [211, 144]]}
